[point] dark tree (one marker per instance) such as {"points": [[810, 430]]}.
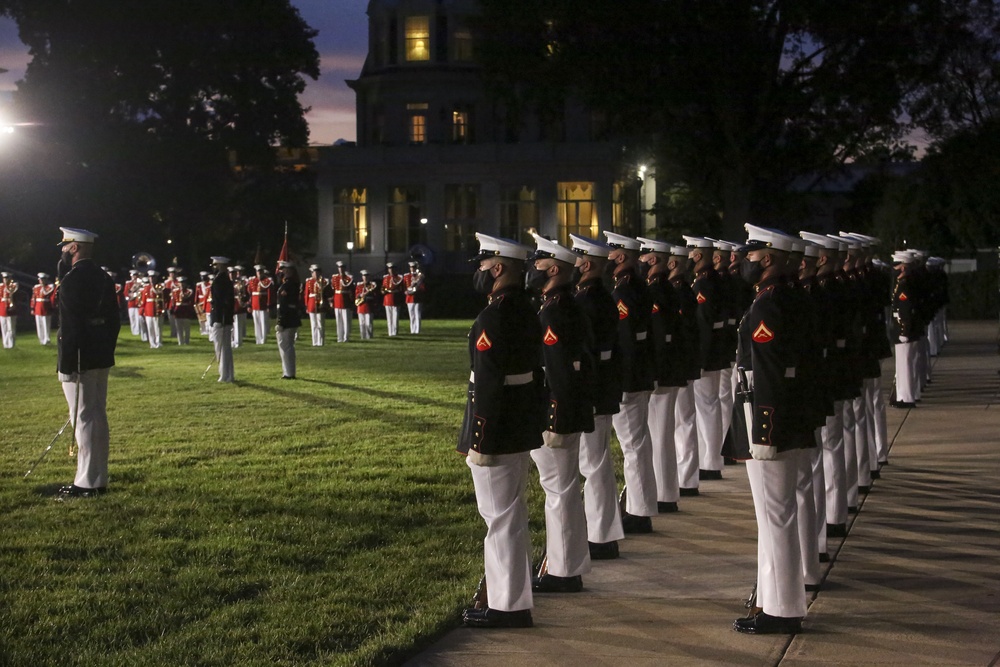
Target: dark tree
{"points": [[147, 109], [738, 96]]}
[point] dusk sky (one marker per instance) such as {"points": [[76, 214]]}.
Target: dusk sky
{"points": [[342, 44]]}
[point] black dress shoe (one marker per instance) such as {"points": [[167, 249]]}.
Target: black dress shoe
{"points": [[689, 492], [74, 491], [863, 489], [876, 474], [883, 463], [765, 624], [494, 618], [812, 588], [709, 474], [836, 530], [603, 550], [636, 524], [853, 510], [550, 583], [287, 377], [824, 557], [666, 508], [902, 405]]}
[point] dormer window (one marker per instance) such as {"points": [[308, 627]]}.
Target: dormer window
{"points": [[418, 38]]}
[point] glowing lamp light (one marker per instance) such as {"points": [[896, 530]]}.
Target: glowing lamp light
{"points": [[350, 245], [169, 241], [423, 221]]}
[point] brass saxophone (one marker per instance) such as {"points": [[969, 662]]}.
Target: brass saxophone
{"points": [[369, 288], [318, 288]]}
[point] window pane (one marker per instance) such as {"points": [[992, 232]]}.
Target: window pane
{"points": [[350, 219], [418, 129], [404, 212], [463, 45], [519, 213], [418, 37], [577, 210], [459, 126]]}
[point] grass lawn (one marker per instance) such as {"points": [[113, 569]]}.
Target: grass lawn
{"points": [[322, 521]]}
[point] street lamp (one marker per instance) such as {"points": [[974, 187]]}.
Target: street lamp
{"points": [[350, 256]]}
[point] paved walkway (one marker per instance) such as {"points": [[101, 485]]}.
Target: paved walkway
{"points": [[916, 581]]}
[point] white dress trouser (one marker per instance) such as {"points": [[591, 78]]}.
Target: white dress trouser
{"points": [[906, 361], [806, 517], [500, 495], [600, 497], [780, 588], [43, 326], [92, 432], [415, 310], [222, 337], [392, 319], [566, 550], [877, 398], [819, 491], [343, 324], [8, 326], [239, 328], [835, 466], [850, 453], [261, 321], [861, 439], [172, 321], [153, 331], [286, 350], [365, 325], [183, 326], [143, 329], [661, 431], [727, 384], [133, 320], [686, 438], [631, 426], [708, 413], [316, 325]]}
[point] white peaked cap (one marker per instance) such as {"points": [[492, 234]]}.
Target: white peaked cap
{"points": [[589, 247], [719, 244], [678, 250], [851, 243], [545, 248], [654, 245], [314, 267], [622, 241], [495, 246], [258, 267], [203, 273], [73, 235], [151, 272], [339, 263], [860, 238], [364, 272], [219, 259], [798, 244], [43, 275], [237, 268], [133, 272], [698, 242], [4, 274], [821, 240], [873, 240], [759, 238], [284, 264], [389, 265], [171, 268], [812, 249], [902, 257], [936, 261]]}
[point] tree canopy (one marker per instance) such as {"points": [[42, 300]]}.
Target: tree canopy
{"points": [[144, 108], [736, 97]]}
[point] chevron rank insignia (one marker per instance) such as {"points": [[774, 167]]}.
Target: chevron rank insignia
{"points": [[762, 334], [902, 296], [656, 308], [483, 343], [622, 310], [550, 337], [701, 298]]}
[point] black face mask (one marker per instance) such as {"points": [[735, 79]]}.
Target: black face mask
{"points": [[535, 279], [751, 271], [609, 269], [644, 270], [482, 281], [575, 276], [65, 264]]}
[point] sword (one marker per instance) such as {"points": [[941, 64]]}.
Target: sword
{"points": [[45, 453], [76, 407], [209, 367], [745, 393]]}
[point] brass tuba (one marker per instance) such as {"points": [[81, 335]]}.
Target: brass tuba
{"points": [[142, 261]]}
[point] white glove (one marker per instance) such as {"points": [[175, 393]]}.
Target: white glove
{"points": [[904, 339], [278, 328], [763, 452]]}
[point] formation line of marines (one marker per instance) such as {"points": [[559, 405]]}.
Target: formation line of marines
{"points": [[702, 353]]}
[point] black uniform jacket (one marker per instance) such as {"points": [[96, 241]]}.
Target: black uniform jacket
{"points": [[505, 410], [905, 305], [289, 316], [569, 363], [633, 306], [711, 316], [597, 305], [688, 328], [88, 319], [767, 331], [666, 341], [223, 300]]}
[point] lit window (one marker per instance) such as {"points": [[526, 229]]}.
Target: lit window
{"points": [[417, 121], [577, 210], [519, 213], [403, 214], [418, 38], [350, 219], [461, 215], [460, 126]]}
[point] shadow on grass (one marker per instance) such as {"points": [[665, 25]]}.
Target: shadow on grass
{"points": [[389, 395]]}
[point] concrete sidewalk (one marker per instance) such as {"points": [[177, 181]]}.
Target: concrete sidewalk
{"points": [[916, 582]]}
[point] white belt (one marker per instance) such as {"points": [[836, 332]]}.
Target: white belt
{"points": [[605, 355], [668, 337], [718, 325], [641, 335], [841, 342], [520, 378], [731, 321], [790, 372]]}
